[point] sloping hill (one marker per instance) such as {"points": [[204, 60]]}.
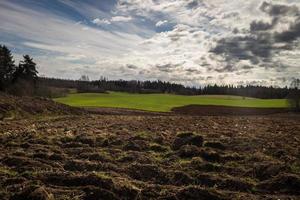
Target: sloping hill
{"points": [[14, 107]]}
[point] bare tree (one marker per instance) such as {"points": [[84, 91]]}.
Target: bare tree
{"points": [[294, 96]]}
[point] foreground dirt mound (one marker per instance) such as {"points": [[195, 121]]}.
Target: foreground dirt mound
{"points": [[99, 157], [12, 107], [224, 110]]}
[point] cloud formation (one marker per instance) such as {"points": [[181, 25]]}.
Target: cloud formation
{"points": [[193, 42], [264, 41]]}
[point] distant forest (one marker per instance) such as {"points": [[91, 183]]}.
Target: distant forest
{"points": [[103, 85]]}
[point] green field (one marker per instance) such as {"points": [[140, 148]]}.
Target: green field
{"points": [[163, 102]]}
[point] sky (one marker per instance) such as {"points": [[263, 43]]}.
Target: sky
{"points": [[192, 42]]}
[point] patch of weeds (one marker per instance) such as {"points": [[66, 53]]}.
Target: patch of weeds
{"points": [[184, 134], [183, 162], [295, 167], [7, 171], [12, 144], [196, 160], [103, 175], [158, 148], [251, 181], [155, 156], [141, 136], [29, 174], [232, 164]]}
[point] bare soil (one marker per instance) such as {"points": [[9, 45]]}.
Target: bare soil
{"points": [[150, 157], [18, 107], [225, 110], [124, 111]]}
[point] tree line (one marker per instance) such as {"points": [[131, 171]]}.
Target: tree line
{"points": [[134, 86]]}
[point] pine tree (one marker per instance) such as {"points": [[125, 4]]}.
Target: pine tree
{"points": [[7, 67], [26, 70]]}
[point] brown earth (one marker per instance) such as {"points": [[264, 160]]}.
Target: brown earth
{"points": [[150, 157], [225, 110], [18, 107], [124, 111]]}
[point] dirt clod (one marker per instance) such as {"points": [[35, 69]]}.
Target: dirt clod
{"points": [[285, 183], [187, 139], [197, 193], [33, 193]]}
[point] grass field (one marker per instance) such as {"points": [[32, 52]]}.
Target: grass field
{"points": [[163, 102]]}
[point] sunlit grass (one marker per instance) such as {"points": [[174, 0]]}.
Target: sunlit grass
{"points": [[163, 102]]}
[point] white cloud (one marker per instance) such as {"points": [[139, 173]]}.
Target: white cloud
{"points": [[161, 23], [98, 21], [121, 19]]}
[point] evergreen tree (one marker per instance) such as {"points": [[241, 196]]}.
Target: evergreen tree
{"points": [[7, 67], [26, 70]]}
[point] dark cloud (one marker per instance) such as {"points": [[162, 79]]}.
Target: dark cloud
{"points": [[130, 66], [244, 48], [169, 67], [192, 71], [194, 4], [227, 68], [279, 9], [260, 26], [290, 35], [263, 41], [247, 67], [176, 35]]}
